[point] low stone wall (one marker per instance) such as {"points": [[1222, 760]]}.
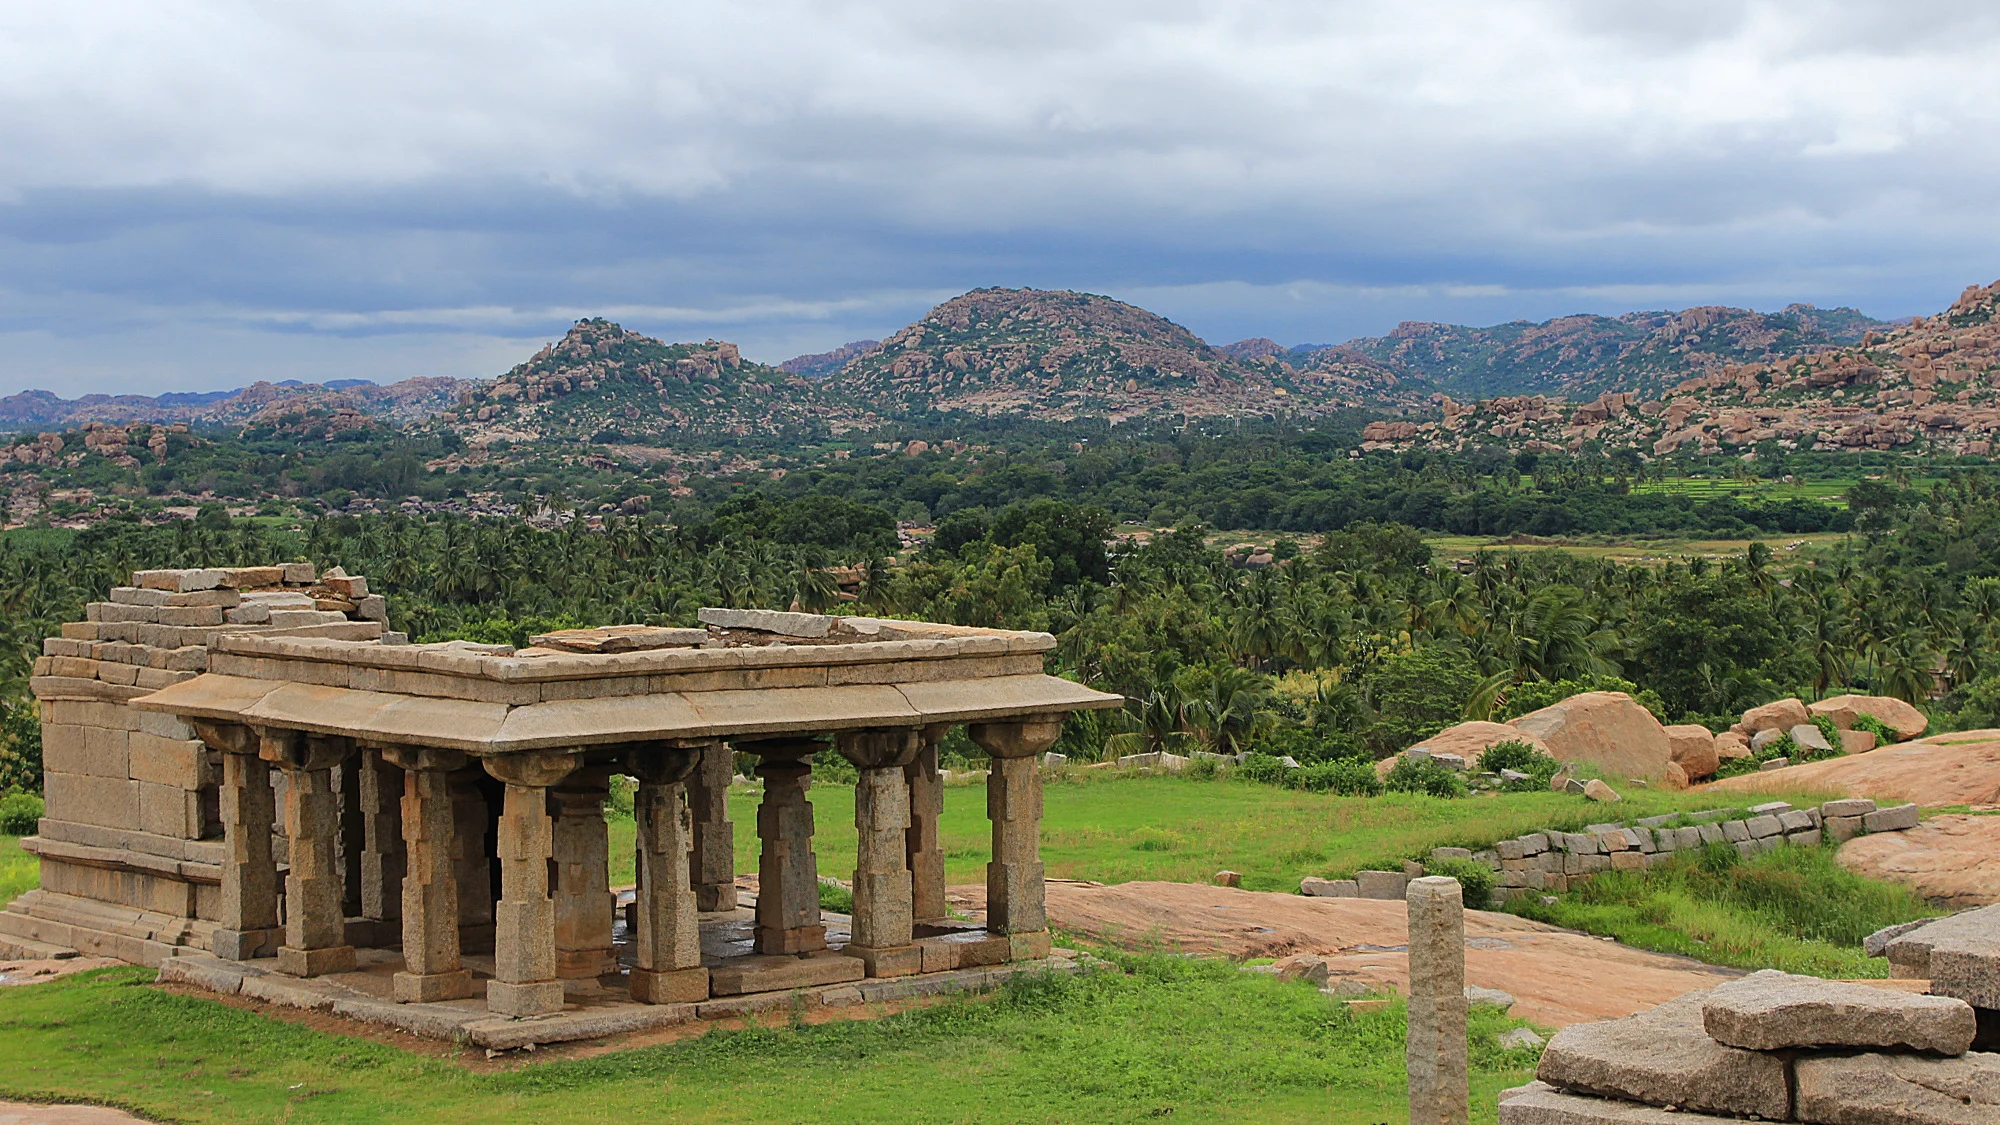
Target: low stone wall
{"points": [[1557, 860]]}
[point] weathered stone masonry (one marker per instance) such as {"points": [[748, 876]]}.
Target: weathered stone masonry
{"points": [[347, 802]]}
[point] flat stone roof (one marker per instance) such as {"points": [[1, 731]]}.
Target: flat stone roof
{"points": [[484, 699]]}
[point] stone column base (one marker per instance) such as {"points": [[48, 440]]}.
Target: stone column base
{"points": [[1028, 947], [316, 962], [669, 986], [537, 998], [889, 961], [799, 939], [584, 964], [242, 945], [424, 988], [710, 897]]}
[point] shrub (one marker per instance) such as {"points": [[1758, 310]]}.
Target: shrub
{"points": [[1881, 730], [836, 898], [1474, 877], [18, 814], [1261, 767], [1537, 694], [1349, 777], [1411, 776]]}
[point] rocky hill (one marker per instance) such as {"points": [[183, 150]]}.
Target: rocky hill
{"points": [[1578, 357], [1062, 355], [1932, 383], [601, 383], [821, 364], [408, 400]]}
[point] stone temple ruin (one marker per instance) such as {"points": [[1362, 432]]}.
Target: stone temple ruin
{"points": [[255, 786]]}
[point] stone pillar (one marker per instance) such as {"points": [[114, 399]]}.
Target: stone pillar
{"points": [[714, 871], [666, 943], [1436, 1050], [524, 933], [584, 904], [353, 829], [247, 916], [429, 878], [1015, 894], [883, 933], [921, 846], [315, 926], [382, 853], [787, 871]]}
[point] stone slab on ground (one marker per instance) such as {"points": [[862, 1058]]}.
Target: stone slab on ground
{"points": [[1951, 860], [1773, 1010], [29, 1113], [1910, 953], [1878, 1089], [1557, 977], [1958, 768], [1664, 1057], [1539, 1103]]}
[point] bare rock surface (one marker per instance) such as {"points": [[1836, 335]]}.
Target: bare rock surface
{"points": [[1959, 768], [1912, 951], [1692, 747], [1604, 728], [1898, 716], [1539, 1103], [1781, 715], [1877, 1089], [28, 1113], [1664, 1057], [1950, 860], [1773, 1010], [1471, 739]]}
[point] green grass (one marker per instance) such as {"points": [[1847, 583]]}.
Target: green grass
{"points": [[1117, 829], [1792, 909], [19, 871], [1158, 1036]]}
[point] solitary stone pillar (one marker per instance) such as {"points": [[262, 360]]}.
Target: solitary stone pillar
{"points": [[1436, 1050], [315, 924], [584, 903], [883, 933], [788, 918], [666, 944], [921, 845], [382, 854], [247, 915], [524, 935], [1015, 893], [714, 871], [429, 879]]}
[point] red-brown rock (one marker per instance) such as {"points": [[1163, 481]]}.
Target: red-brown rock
{"points": [[1605, 728]]}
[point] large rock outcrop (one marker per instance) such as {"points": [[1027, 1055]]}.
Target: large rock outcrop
{"points": [[1470, 740], [1905, 720], [1783, 714], [1693, 749], [1960, 768], [1608, 729]]}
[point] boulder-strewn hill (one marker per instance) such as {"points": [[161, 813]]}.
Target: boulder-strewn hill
{"points": [[1933, 382], [1578, 357], [405, 401], [602, 383], [826, 363], [1060, 354]]}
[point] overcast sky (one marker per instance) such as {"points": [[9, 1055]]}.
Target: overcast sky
{"points": [[194, 195]]}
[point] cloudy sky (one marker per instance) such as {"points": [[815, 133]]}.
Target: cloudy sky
{"points": [[196, 194]]}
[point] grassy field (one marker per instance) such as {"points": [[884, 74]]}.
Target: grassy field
{"points": [[19, 871], [1116, 829], [1631, 550], [1155, 1037]]}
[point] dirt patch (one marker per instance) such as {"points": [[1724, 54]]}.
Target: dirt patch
{"points": [[1959, 768], [39, 972], [1559, 977], [24, 1113], [1951, 860]]}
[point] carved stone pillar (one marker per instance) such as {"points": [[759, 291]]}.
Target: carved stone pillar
{"points": [[666, 943], [584, 904], [247, 916], [429, 882], [921, 844], [524, 936], [714, 872], [315, 925], [787, 871], [883, 925], [1016, 902], [382, 854]]}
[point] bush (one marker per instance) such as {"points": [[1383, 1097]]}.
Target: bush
{"points": [[1349, 777], [1411, 776], [1261, 767], [836, 898], [1474, 877], [1881, 730], [18, 814], [1537, 694]]}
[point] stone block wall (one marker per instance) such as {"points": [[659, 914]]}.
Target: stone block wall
{"points": [[131, 840]]}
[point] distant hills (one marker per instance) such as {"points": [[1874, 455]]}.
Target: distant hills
{"points": [[405, 401]]}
